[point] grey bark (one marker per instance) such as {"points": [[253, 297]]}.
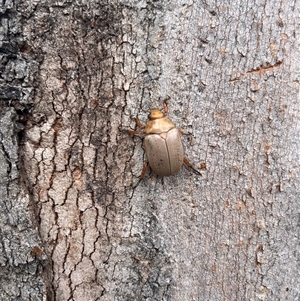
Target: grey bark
{"points": [[76, 222], [20, 245]]}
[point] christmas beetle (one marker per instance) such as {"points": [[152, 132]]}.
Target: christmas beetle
{"points": [[163, 145]]}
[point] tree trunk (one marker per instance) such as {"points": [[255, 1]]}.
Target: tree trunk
{"points": [[76, 221]]}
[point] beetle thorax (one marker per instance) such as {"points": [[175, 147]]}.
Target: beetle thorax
{"points": [[159, 125]]}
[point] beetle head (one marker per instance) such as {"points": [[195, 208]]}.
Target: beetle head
{"points": [[156, 114]]}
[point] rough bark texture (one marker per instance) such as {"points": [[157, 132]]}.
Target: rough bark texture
{"points": [[76, 223], [20, 246]]}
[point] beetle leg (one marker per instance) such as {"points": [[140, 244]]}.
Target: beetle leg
{"points": [[135, 133], [166, 108], [139, 124], [144, 170], [183, 132], [188, 164]]}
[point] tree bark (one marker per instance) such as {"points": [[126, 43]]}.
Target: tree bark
{"points": [[76, 221]]}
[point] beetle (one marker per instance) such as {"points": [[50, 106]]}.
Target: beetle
{"points": [[163, 144]]}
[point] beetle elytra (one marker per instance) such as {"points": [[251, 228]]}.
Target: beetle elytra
{"points": [[163, 145]]}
